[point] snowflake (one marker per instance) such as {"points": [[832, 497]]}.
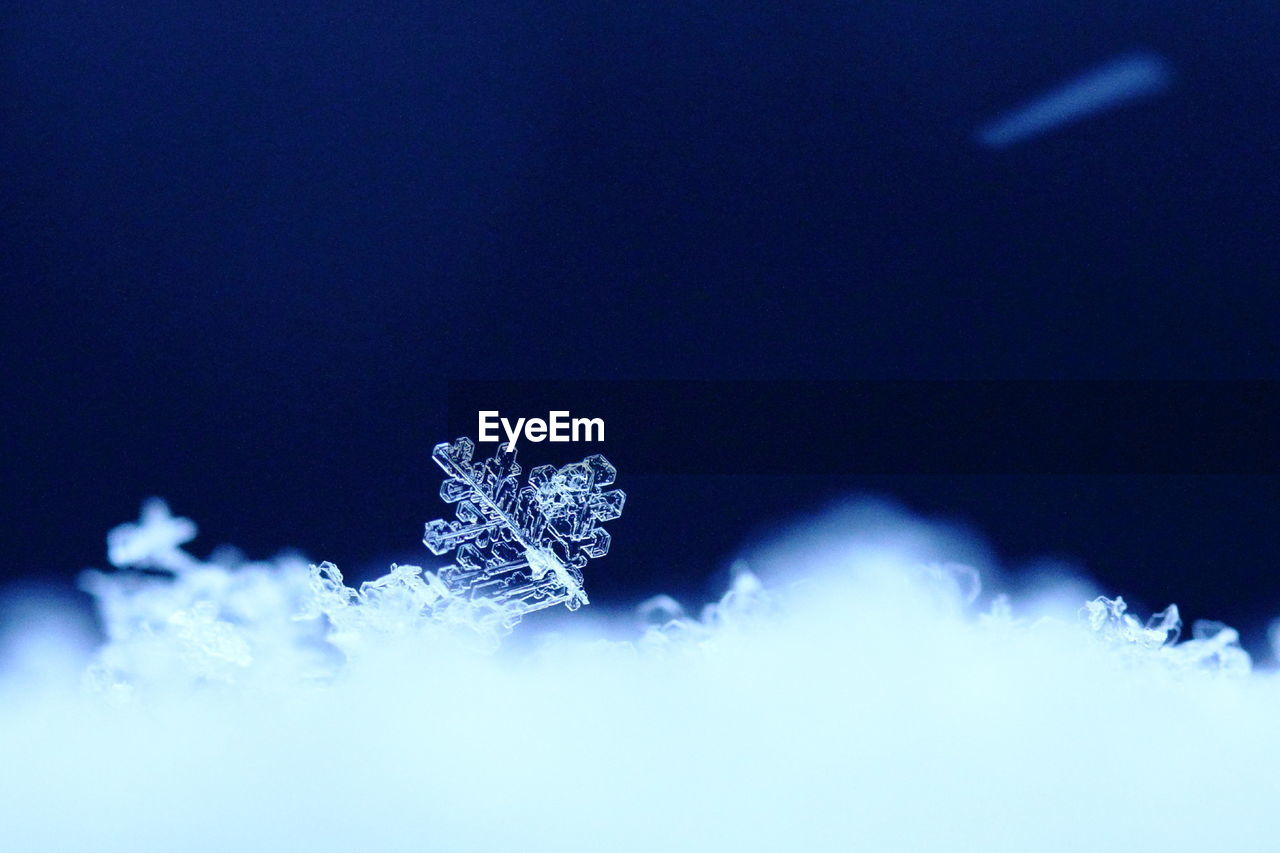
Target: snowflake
{"points": [[522, 545]]}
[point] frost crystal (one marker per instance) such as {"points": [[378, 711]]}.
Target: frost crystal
{"points": [[1213, 645], [1108, 618], [154, 542], [522, 547], [171, 618]]}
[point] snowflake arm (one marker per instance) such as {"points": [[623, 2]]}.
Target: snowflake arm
{"points": [[522, 545]]}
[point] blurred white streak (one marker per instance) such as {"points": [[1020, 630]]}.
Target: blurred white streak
{"points": [[1117, 82]]}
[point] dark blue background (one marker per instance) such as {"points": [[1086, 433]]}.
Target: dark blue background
{"points": [[246, 244]]}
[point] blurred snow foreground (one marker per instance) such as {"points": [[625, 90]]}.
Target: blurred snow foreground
{"points": [[858, 691]]}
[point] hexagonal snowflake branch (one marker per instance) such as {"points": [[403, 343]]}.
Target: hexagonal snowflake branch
{"points": [[522, 545]]}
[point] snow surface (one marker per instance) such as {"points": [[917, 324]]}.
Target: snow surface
{"points": [[854, 689]]}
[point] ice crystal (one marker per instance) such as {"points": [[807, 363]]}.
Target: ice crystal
{"points": [[1213, 645], [522, 547], [170, 617], [666, 626], [1108, 618], [154, 542], [405, 602]]}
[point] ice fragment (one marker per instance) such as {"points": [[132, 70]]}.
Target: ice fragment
{"points": [[521, 546]]}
